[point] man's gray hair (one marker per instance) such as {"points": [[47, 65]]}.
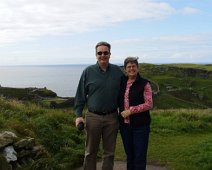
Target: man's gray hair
{"points": [[103, 43]]}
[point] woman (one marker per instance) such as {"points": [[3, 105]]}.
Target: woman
{"points": [[135, 101]]}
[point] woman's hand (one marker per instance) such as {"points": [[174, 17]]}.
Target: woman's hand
{"points": [[126, 113]]}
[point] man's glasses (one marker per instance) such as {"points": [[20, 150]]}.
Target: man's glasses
{"points": [[104, 52]]}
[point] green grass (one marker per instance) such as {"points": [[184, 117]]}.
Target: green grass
{"points": [[180, 139], [52, 129], [181, 151], [46, 102]]}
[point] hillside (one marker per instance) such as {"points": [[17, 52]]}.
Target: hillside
{"points": [[180, 85]]}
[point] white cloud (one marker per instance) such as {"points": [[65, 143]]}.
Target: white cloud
{"points": [[186, 39], [190, 10], [27, 19], [167, 49], [171, 39]]}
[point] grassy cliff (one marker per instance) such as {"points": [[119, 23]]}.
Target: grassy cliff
{"points": [[27, 93]]}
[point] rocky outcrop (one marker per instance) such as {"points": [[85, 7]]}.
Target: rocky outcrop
{"points": [[15, 153], [27, 93], [42, 92]]}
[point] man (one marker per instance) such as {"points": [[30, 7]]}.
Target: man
{"points": [[98, 89]]}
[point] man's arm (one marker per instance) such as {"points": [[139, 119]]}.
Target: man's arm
{"points": [[80, 99]]}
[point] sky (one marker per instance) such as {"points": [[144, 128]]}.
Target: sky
{"points": [[54, 32]]}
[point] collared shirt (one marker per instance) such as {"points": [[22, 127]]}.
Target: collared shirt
{"points": [[98, 89], [147, 105]]}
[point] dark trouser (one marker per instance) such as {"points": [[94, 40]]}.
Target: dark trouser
{"points": [[100, 127], [135, 140]]}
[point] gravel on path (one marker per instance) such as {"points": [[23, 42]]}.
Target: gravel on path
{"points": [[120, 165]]}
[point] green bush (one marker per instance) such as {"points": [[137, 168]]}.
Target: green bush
{"points": [[53, 129]]}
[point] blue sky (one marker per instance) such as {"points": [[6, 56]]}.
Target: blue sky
{"points": [[49, 32]]}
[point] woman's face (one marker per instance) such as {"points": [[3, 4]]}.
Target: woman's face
{"points": [[131, 70]]}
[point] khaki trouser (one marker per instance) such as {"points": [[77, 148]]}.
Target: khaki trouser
{"points": [[99, 127]]}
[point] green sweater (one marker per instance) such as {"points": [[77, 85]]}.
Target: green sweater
{"points": [[97, 89]]}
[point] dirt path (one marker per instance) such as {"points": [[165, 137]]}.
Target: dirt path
{"points": [[120, 165]]}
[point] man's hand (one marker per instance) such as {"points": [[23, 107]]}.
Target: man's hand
{"points": [[126, 113], [78, 120]]}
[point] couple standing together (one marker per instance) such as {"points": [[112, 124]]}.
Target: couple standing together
{"points": [[114, 101]]}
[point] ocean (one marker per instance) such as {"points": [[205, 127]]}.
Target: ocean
{"points": [[62, 79]]}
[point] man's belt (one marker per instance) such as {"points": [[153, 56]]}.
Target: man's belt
{"points": [[103, 113]]}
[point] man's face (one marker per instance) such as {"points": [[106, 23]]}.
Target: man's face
{"points": [[102, 55]]}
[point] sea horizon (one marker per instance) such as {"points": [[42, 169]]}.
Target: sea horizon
{"points": [[43, 65], [61, 79]]}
